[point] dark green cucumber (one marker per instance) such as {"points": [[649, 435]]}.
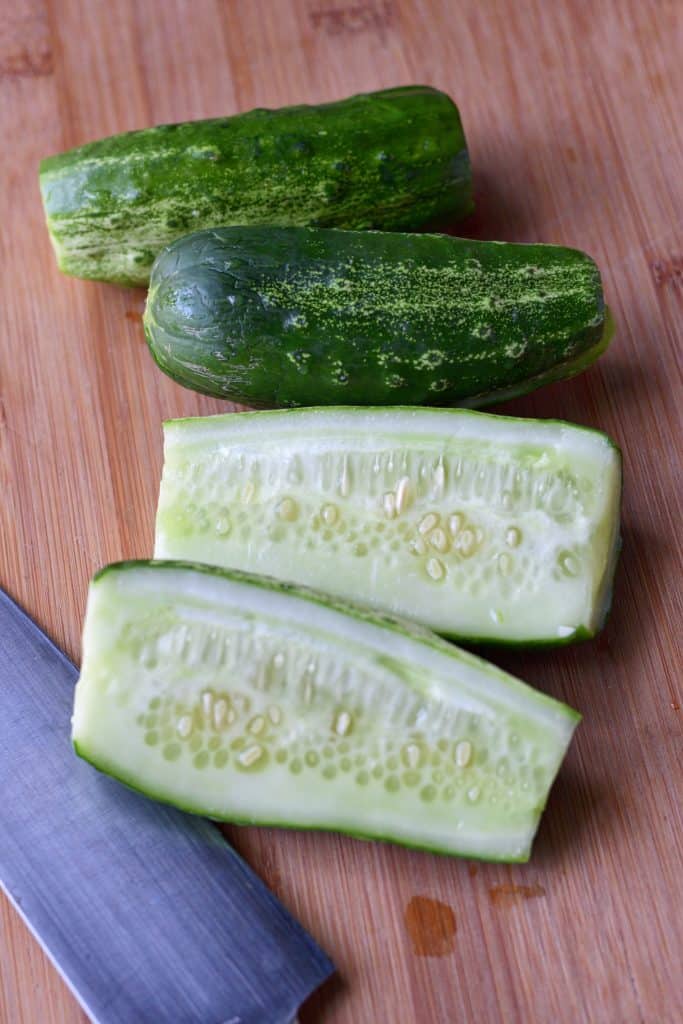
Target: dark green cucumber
{"points": [[247, 700], [391, 159], [309, 316]]}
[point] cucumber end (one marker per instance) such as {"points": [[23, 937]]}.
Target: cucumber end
{"points": [[561, 371]]}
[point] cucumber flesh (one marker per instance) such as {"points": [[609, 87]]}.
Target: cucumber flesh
{"points": [[480, 527], [251, 701]]}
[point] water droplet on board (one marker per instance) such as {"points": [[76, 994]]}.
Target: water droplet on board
{"points": [[431, 926]]}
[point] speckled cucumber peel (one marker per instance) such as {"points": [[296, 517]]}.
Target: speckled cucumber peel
{"points": [[308, 316], [249, 700], [481, 527], [390, 159]]}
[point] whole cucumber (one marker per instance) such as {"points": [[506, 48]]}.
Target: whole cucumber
{"points": [[312, 316], [394, 159]]}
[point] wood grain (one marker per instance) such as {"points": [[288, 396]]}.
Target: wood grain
{"points": [[573, 115]]}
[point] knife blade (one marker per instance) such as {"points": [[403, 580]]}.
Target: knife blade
{"points": [[148, 913]]}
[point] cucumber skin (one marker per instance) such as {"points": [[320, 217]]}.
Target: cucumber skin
{"points": [[306, 316], [410, 628], [394, 159]]}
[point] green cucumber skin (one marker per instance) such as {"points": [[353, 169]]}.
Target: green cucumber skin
{"points": [[401, 626], [310, 316], [395, 159]]}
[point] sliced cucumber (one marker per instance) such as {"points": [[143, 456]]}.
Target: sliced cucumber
{"points": [[482, 527], [252, 701]]}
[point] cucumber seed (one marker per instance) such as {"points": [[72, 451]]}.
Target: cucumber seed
{"points": [[435, 569], [330, 514], [275, 714], [342, 723], [456, 523], [389, 504], [439, 540], [513, 536], [463, 753], [250, 756], [428, 523], [403, 494], [220, 714], [466, 543], [287, 510], [184, 727]]}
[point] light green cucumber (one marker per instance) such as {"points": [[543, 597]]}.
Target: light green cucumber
{"points": [[252, 701], [482, 527]]}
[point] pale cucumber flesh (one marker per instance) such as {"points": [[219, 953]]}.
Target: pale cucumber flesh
{"points": [[250, 701], [479, 526]]}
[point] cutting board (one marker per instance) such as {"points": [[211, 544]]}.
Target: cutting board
{"points": [[573, 113]]}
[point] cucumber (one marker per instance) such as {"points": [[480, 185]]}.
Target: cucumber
{"points": [[308, 316], [251, 701], [390, 159], [481, 527]]}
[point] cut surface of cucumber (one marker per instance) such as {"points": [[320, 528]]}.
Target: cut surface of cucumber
{"points": [[252, 701], [479, 526]]}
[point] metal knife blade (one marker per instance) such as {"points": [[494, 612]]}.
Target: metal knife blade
{"points": [[148, 913]]}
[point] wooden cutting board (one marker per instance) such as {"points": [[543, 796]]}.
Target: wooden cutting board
{"points": [[573, 113]]}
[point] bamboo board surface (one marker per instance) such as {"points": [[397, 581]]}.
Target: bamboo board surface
{"points": [[572, 112]]}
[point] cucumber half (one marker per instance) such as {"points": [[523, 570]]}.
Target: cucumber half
{"points": [[252, 701], [481, 527]]}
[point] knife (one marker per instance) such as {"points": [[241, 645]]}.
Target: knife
{"points": [[148, 913]]}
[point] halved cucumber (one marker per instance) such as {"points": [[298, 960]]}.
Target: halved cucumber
{"points": [[482, 527], [252, 701]]}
